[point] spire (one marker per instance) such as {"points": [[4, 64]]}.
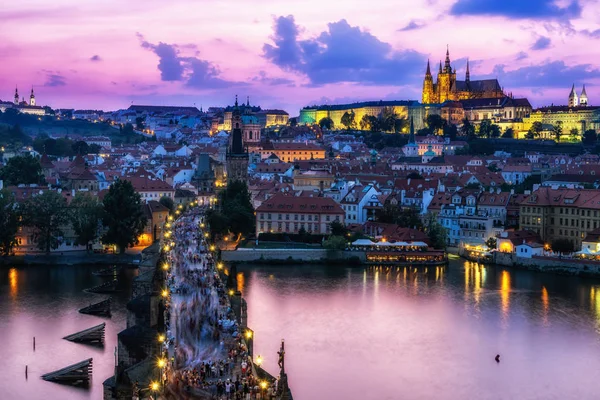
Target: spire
{"points": [[428, 72], [32, 95], [16, 95], [248, 101], [572, 90], [468, 74], [447, 67], [583, 93], [236, 103], [440, 66]]}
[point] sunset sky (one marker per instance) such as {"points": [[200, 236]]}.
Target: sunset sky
{"points": [[290, 53]]}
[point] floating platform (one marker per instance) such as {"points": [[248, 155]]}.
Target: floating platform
{"points": [[73, 374], [95, 334], [101, 309], [110, 271], [106, 287]]}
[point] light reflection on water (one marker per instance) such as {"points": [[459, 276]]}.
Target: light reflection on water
{"points": [[414, 334]]}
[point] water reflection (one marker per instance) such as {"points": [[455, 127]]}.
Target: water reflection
{"points": [[505, 294], [13, 281], [545, 305], [241, 280]]}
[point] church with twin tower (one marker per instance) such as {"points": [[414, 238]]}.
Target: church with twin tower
{"points": [[447, 87]]}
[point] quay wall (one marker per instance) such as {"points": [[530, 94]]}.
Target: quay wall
{"points": [[70, 259], [287, 255], [549, 264]]}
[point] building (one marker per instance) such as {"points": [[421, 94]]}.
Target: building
{"points": [[23, 106], [403, 109], [497, 109], [291, 152], [581, 100], [269, 118], [290, 214], [151, 189], [561, 213], [447, 87], [237, 154]]}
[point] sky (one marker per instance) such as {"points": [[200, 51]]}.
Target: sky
{"points": [[288, 54]]}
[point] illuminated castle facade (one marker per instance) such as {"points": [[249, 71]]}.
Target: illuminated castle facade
{"points": [[446, 87]]}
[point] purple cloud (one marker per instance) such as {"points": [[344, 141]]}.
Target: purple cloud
{"points": [[541, 44], [343, 53], [412, 25], [517, 9], [54, 79], [95, 58]]}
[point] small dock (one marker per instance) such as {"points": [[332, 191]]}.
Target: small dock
{"points": [[73, 374], [95, 334], [101, 309], [106, 287]]}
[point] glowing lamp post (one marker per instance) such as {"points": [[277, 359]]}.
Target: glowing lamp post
{"points": [[259, 361], [164, 293]]}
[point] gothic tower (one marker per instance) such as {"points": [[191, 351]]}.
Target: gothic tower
{"points": [[237, 155], [583, 100], [16, 96], [446, 79], [467, 74], [428, 90], [32, 98], [573, 100]]}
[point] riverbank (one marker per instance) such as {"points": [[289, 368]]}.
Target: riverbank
{"points": [[78, 258]]}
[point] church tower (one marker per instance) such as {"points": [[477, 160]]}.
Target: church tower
{"points": [[16, 96], [412, 148], [237, 155], [467, 74], [573, 100], [446, 79], [583, 100], [428, 90], [32, 98]]}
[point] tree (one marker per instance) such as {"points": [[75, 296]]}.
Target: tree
{"points": [[495, 131], [140, 123], [123, 215], [436, 232], [401, 125], [94, 148], [493, 168], [80, 147], [348, 120], [326, 123], [167, 202], [491, 243], [424, 132], [414, 175], [365, 123], [387, 119], [574, 134], [235, 214], [509, 133], [335, 243], [561, 246], [47, 214], [435, 122], [589, 137], [467, 129], [557, 130], [9, 222], [24, 169], [485, 128], [338, 229], [450, 131], [85, 214], [535, 130]]}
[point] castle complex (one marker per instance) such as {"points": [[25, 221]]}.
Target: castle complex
{"points": [[447, 87]]}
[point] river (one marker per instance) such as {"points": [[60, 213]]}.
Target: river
{"points": [[351, 333], [43, 301], [377, 333]]}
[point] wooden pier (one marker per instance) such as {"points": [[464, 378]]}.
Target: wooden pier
{"points": [[95, 334], [101, 309], [106, 287], [73, 374]]}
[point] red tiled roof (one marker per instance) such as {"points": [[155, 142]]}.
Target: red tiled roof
{"points": [[292, 204]]}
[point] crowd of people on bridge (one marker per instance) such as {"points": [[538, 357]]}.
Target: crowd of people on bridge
{"points": [[208, 357]]}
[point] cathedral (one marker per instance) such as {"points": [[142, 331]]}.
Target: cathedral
{"points": [[578, 101], [446, 87]]}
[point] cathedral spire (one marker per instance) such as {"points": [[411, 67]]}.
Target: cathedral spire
{"points": [[447, 67], [468, 74], [428, 72], [440, 66]]}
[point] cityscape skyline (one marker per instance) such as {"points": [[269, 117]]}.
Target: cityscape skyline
{"points": [[294, 55]]}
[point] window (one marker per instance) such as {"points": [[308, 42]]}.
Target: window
{"points": [[327, 218]]}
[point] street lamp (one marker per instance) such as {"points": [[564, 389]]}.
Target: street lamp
{"points": [[154, 387], [259, 361], [220, 266], [164, 293], [231, 292], [248, 334], [165, 266], [161, 338]]}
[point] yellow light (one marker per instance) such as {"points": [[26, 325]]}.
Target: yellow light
{"points": [[202, 225], [219, 265], [161, 338], [161, 363], [177, 212], [168, 225], [170, 218], [263, 385], [206, 235], [212, 247], [167, 234], [164, 293], [154, 386], [259, 360], [166, 266], [248, 334], [231, 292], [226, 239], [166, 247]]}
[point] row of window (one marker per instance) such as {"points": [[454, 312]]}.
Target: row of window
{"points": [[302, 217], [291, 227]]}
